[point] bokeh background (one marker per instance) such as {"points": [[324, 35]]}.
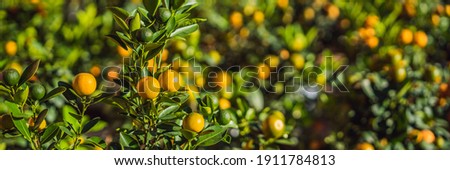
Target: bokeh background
{"points": [[396, 52]]}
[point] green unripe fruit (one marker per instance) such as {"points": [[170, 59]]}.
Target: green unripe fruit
{"points": [[11, 77], [37, 91], [164, 14], [144, 35], [224, 117]]}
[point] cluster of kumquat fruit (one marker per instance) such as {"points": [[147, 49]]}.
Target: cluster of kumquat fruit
{"points": [[239, 74]]}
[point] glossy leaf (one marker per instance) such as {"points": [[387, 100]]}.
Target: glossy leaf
{"points": [[52, 94], [151, 5], [49, 133], [211, 136], [19, 123], [29, 72], [184, 31], [90, 124]]}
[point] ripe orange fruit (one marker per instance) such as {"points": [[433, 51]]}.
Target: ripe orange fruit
{"points": [[224, 103], [309, 14], [164, 55], [223, 79], [272, 61], [11, 48], [236, 20], [258, 17], [41, 127], [84, 84], [95, 70], [435, 19], [333, 12], [415, 135], [372, 21], [263, 71], [364, 146], [372, 42], [273, 126], [124, 53], [151, 65], [170, 80], [284, 54], [428, 136], [283, 4], [421, 39], [406, 36], [194, 122], [148, 88]]}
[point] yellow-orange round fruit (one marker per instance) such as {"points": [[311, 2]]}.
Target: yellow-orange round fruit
{"points": [[263, 71], [283, 4], [224, 103], [170, 80], [372, 21], [428, 136], [273, 126], [333, 12], [364, 146], [258, 17], [435, 19], [223, 79], [11, 48], [148, 87], [124, 52], [400, 74], [415, 135], [41, 127], [95, 70], [84, 84], [151, 65], [236, 20], [6, 122], [298, 61], [406, 36], [284, 54], [309, 14], [421, 39], [372, 42], [194, 122], [272, 61]]}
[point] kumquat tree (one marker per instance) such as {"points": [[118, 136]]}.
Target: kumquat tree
{"points": [[239, 74]]}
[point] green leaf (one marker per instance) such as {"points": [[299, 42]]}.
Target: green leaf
{"points": [[90, 124], [171, 24], [69, 94], [151, 6], [19, 123], [121, 23], [70, 118], [29, 72], [40, 118], [184, 31], [67, 131], [101, 97], [135, 22], [118, 40], [178, 3], [49, 133], [21, 96], [165, 114], [52, 94], [211, 136], [119, 12], [189, 135], [126, 140]]}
